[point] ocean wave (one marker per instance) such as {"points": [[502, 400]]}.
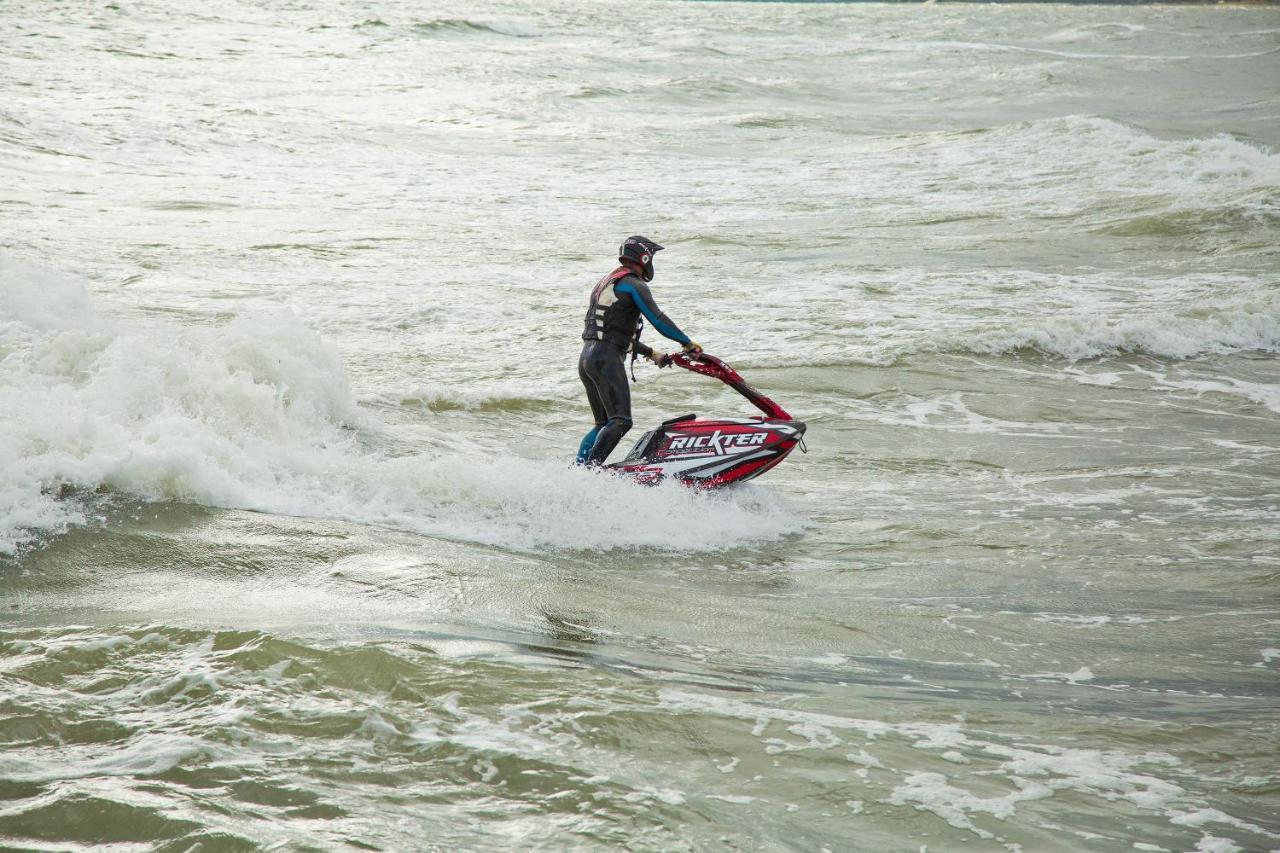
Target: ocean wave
{"points": [[492, 399], [258, 414], [1233, 220], [465, 25], [1069, 318], [1173, 335], [723, 87], [1099, 173], [448, 26], [895, 314], [1108, 31]]}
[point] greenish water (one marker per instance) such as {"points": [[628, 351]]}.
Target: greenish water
{"points": [[290, 557]]}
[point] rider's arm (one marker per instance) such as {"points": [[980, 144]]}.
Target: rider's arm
{"points": [[642, 349], [639, 291]]}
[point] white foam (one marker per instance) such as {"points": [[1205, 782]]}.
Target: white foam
{"points": [[670, 796], [831, 659], [1066, 165], [932, 792], [1097, 180], [865, 758], [1199, 817], [1109, 31], [145, 755], [1031, 772], [1118, 175], [1264, 393], [1073, 619], [258, 414], [1081, 674], [1178, 333]]}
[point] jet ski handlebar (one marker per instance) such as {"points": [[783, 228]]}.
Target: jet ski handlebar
{"points": [[709, 365]]}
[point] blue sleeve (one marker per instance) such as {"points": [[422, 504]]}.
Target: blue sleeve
{"points": [[644, 301]]}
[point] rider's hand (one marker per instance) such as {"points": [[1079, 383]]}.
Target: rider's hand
{"points": [[660, 359], [693, 347]]}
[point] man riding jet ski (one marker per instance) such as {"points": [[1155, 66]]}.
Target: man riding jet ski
{"points": [[704, 454], [620, 303]]}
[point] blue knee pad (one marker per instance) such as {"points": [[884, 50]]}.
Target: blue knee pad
{"points": [[588, 441]]}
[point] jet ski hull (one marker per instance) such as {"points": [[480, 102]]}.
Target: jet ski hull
{"points": [[710, 454]]}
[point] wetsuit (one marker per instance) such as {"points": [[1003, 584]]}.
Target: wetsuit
{"points": [[620, 303]]}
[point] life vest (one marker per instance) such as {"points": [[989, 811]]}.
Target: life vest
{"points": [[611, 317]]}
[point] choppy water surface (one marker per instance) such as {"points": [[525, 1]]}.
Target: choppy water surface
{"points": [[289, 304]]}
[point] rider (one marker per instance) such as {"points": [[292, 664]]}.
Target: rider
{"points": [[612, 327]]}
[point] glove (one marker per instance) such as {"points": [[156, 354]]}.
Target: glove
{"points": [[660, 359], [693, 347]]}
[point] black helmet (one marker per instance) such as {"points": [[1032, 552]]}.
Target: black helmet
{"points": [[641, 250]]}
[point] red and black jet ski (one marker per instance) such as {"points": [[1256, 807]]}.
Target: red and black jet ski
{"points": [[708, 454]]}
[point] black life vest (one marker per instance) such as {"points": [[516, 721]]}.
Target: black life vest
{"points": [[612, 317]]}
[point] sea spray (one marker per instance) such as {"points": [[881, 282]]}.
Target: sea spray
{"points": [[257, 413]]}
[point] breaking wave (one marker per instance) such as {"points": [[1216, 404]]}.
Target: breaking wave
{"points": [[1178, 335], [465, 25], [1101, 174], [258, 414], [1059, 316], [506, 398], [452, 26]]}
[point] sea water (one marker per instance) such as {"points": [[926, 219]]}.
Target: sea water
{"points": [[291, 555]]}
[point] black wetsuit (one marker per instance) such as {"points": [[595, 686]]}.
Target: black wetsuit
{"points": [[613, 324]]}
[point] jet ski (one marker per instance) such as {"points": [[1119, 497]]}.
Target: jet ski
{"points": [[711, 453]]}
